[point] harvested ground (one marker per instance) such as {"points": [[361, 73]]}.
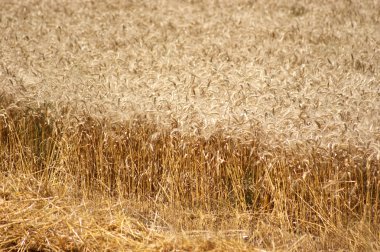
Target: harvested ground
{"points": [[265, 109]]}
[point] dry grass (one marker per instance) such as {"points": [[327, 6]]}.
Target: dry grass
{"points": [[179, 187], [189, 125]]}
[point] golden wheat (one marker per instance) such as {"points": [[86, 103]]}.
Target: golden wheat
{"points": [[189, 125]]}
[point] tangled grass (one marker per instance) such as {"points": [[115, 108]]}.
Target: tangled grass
{"points": [[189, 125], [306, 191]]}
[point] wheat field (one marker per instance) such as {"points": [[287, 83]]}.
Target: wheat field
{"points": [[192, 125]]}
